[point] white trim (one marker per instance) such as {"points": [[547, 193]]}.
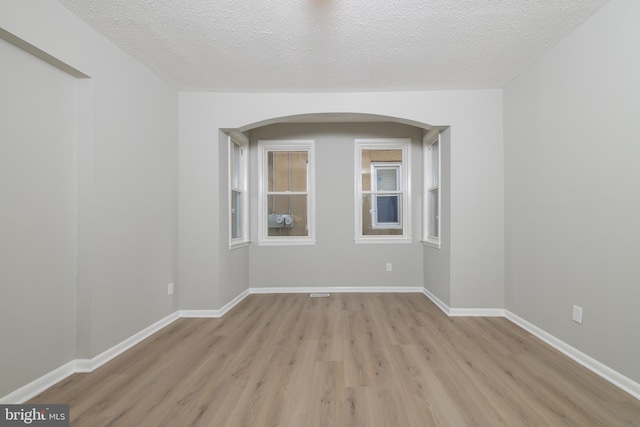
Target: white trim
{"points": [[431, 138], [236, 138], [286, 145], [614, 377], [403, 144], [437, 301], [39, 385], [234, 246], [228, 306], [337, 289], [431, 244], [88, 365]]}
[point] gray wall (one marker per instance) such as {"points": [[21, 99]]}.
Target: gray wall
{"points": [[90, 197], [233, 273], [335, 260], [437, 262], [38, 221], [573, 189]]}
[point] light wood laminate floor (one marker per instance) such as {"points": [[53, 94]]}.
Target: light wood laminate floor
{"points": [[345, 361]]}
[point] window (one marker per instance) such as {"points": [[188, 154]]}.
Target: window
{"points": [[238, 200], [382, 190], [431, 144], [286, 192]]}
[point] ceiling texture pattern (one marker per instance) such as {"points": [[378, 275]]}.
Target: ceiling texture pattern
{"points": [[335, 45]]}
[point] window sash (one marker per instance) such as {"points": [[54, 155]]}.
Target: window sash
{"points": [[286, 185], [238, 168], [432, 202], [382, 186]]}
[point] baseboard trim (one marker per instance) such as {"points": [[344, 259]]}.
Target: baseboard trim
{"points": [[89, 365], [337, 289], [614, 377], [463, 312], [437, 301], [228, 306], [39, 385]]}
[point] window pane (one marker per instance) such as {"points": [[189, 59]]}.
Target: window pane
{"points": [[387, 179], [391, 209], [236, 214], [235, 166], [387, 209], [287, 215], [433, 219], [376, 156], [287, 170], [434, 166]]}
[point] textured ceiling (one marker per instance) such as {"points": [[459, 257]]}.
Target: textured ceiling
{"points": [[335, 45]]}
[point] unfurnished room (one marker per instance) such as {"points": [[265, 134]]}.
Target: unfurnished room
{"points": [[319, 213]]}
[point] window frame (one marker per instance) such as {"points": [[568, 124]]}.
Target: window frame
{"points": [[376, 193], [404, 190], [430, 140], [264, 147], [243, 180]]}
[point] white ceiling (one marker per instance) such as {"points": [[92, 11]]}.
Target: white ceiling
{"points": [[335, 45]]}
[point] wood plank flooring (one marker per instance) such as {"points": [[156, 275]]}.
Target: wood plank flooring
{"points": [[345, 361]]}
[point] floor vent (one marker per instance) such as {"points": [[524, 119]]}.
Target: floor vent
{"points": [[319, 295]]}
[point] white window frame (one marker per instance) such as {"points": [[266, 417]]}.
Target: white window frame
{"points": [[403, 144], [264, 147], [429, 142], [397, 166], [243, 179]]}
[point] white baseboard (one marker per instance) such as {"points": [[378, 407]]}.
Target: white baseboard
{"points": [[228, 306], [39, 385], [32, 389], [614, 377], [462, 312], [437, 301], [590, 363], [89, 365], [337, 289]]}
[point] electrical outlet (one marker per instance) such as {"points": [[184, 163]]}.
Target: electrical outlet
{"points": [[577, 314], [170, 289], [389, 266]]}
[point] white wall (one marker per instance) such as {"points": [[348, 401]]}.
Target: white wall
{"points": [[124, 185], [477, 208], [573, 189]]}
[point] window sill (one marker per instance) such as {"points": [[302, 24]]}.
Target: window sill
{"points": [[431, 244], [379, 241], [239, 245]]}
